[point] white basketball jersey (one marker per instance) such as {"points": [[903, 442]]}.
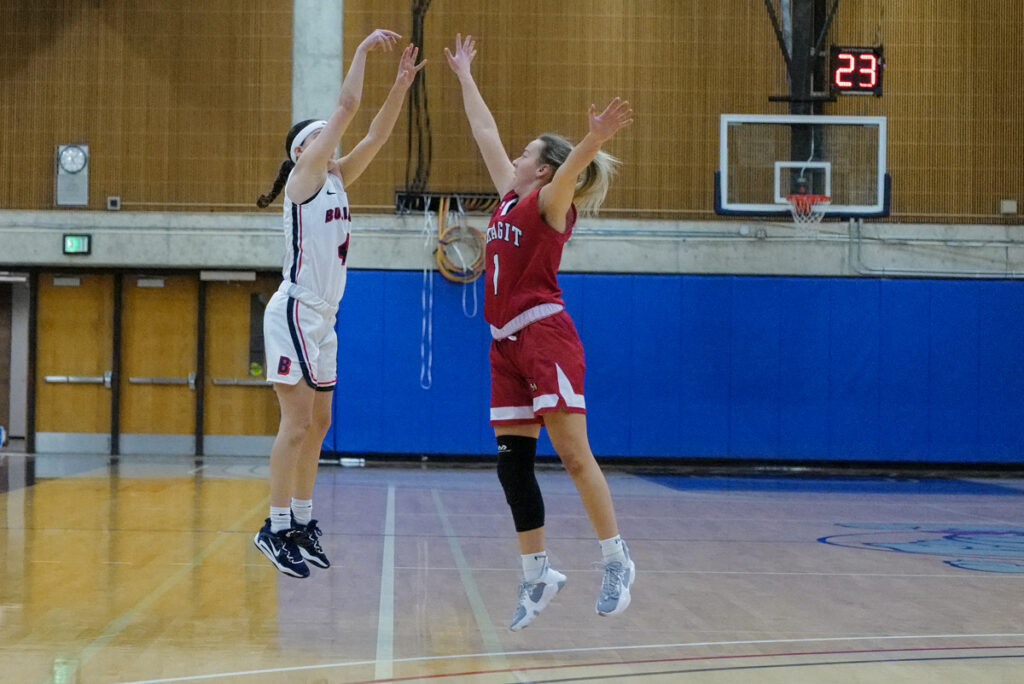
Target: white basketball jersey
{"points": [[316, 241]]}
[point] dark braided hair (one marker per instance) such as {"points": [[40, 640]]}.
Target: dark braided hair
{"points": [[286, 168]]}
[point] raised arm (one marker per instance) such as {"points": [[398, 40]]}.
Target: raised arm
{"points": [[556, 197], [311, 168], [481, 122], [352, 165]]}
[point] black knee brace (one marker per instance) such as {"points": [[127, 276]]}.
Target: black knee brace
{"points": [[515, 471]]}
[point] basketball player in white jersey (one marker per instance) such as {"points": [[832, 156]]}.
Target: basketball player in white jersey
{"points": [[298, 325]]}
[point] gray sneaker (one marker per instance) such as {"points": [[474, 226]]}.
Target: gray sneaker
{"points": [[535, 596], [618, 578]]}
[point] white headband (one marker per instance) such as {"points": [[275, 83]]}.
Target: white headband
{"points": [[300, 138]]}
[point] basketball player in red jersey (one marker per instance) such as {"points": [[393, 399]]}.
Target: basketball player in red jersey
{"points": [[536, 356], [298, 324]]}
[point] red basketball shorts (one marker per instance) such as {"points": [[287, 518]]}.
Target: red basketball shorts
{"points": [[536, 371]]}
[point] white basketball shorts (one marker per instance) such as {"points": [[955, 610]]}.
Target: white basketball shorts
{"points": [[300, 343]]}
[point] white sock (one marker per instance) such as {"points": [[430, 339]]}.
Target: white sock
{"points": [[280, 518], [533, 565], [303, 510], [611, 549]]}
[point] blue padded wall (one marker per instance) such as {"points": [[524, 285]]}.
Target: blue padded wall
{"points": [[379, 404], [840, 369]]}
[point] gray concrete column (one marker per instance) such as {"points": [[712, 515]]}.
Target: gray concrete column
{"points": [[316, 58]]}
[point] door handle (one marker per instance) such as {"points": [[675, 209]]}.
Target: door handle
{"points": [[190, 381], [104, 379], [246, 382]]}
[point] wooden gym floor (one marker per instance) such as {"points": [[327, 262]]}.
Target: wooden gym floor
{"points": [[143, 570]]}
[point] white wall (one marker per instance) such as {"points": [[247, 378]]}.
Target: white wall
{"points": [[148, 240]]}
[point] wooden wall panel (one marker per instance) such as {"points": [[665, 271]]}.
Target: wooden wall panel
{"points": [[179, 102], [541, 64], [954, 101], [185, 105]]}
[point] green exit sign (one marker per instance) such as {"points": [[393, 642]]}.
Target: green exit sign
{"points": [[77, 243]]}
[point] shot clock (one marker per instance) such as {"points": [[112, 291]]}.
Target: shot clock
{"points": [[856, 70]]}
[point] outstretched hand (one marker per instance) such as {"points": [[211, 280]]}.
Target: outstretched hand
{"points": [[617, 115], [380, 39], [407, 66], [465, 51]]}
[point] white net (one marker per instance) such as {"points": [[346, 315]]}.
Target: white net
{"points": [[808, 208]]}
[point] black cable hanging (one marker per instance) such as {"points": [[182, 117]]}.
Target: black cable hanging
{"points": [[419, 115]]}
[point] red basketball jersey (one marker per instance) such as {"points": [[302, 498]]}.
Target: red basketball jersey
{"points": [[523, 255]]}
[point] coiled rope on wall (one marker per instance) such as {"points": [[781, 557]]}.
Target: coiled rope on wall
{"points": [[460, 246]]}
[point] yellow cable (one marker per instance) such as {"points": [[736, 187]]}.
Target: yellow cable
{"points": [[446, 235]]}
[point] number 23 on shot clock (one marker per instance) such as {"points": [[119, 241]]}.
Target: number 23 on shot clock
{"points": [[856, 70]]}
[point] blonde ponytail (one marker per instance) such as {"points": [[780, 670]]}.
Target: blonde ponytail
{"points": [[591, 185]]}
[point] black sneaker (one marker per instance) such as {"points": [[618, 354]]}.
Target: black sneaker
{"points": [[307, 538], [281, 549]]}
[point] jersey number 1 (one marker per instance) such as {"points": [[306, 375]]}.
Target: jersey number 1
{"points": [[494, 278]]}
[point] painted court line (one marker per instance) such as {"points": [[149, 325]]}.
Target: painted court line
{"points": [[770, 573], [483, 618], [386, 612], [590, 649], [703, 660]]}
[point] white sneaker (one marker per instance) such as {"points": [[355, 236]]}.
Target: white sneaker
{"points": [[618, 578], [535, 596]]}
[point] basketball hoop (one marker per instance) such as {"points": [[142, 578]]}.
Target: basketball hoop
{"points": [[808, 208]]}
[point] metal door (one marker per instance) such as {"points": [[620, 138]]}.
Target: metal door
{"points": [[240, 413], [159, 323], [74, 352]]}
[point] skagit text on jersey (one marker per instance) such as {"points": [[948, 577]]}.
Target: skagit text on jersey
{"points": [[504, 231]]}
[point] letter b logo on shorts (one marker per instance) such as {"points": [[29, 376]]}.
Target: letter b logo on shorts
{"points": [[284, 365]]}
